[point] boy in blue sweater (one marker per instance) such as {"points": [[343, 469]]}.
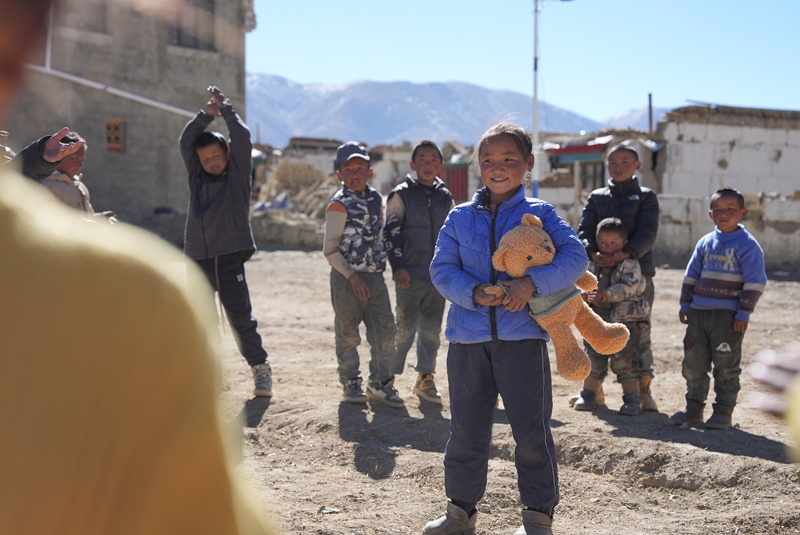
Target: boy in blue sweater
{"points": [[724, 280]]}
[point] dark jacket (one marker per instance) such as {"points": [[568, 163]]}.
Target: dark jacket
{"points": [[410, 241], [636, 207], [34, 166], [218, 219]]}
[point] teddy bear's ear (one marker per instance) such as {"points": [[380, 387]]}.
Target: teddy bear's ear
{"points": [[530, 220]]}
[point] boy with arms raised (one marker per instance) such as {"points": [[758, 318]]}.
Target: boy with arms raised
{"points": [[724, 280], [415, 211], [218, 234], [637, 208], [354, 248]]}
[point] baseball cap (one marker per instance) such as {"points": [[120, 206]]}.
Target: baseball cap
{"points": [[349, 150]]}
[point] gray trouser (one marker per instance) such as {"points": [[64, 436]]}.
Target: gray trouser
{"points": [[627, 364], [376, 313], [419, 312], [520, 372], [711, 340]]}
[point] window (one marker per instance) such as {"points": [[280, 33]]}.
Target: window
{"points": [[87, 15], [115, 135], [193, 25]]}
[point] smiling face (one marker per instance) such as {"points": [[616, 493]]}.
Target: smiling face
{"points": [[610, 242], [727, 212], [622, 164], [213, 158], [354, 174], [503, 166]]}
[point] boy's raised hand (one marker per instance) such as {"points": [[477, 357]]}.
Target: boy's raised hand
{"points": [[55, 151], [212, 109], [216, 95]]}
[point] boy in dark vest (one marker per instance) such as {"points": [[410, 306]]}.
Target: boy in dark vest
{"points": [[415, 211]]}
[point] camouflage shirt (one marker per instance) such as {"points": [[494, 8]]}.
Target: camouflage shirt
{"points": [[625, 290], [362, 240]]}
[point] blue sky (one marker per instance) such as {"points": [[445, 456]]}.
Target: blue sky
{"points": [[597, 57]]}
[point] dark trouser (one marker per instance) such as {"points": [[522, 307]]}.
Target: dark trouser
{"points": [[520, 372], [419, 312], [226, 275], [645, 347], [376, 313], [627, 364], [710, 339]]}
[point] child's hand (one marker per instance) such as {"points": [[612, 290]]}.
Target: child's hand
{"points": [[218, 97], [518, 292], [739, 326], [682, 316], [598, 296], [212, 109], [585, 297], [482, 298], [402, 278], [55, 151], [360, 287]]}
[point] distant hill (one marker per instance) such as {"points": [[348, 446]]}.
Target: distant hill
{"points": [[635, 118], [391, 112]]}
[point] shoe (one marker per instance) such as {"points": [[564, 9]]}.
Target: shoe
{"points": [[262, 376], [720, 418], [692, 414], [352, 392], [454, 522], [426, 390], [535, 523], [630, 404], [587, 401], [646, 401], [385, 393]]}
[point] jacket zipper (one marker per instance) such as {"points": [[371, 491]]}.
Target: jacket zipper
{"points": [[492, 249]]}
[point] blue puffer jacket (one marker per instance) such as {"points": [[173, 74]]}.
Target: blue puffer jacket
{"points": [[463, 259]]}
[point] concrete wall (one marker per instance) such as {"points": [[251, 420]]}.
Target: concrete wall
{"points": [[133, 56], [702, 158], [773, 221], [391, 169]]}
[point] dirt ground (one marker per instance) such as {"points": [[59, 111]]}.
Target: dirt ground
{"points": [[329, 468]]}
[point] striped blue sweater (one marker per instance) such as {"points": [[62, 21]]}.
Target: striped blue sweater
{"points": [[726, 272]]}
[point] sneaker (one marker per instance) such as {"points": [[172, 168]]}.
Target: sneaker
{"points": [[262, 375], [426, 390], [455, 521], [385, 393], [352, 391]]}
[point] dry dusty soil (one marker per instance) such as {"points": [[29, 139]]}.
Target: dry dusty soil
{"points": [[329, 468]]}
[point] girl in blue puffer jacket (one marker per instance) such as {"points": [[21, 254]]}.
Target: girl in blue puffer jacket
{"points": [[495, 346]]}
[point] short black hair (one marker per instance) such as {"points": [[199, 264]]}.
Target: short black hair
{"points": [[207, 138], [726, 192], [612, 224], [426, 143], [627, 148]]}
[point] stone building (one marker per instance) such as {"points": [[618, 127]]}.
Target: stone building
{"points": [[127, 76]]}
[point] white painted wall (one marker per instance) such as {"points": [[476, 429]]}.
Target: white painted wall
{"points": [[392, 169], [702, 158]]}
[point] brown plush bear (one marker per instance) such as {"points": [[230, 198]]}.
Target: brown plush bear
{"points": [[527, 246]]}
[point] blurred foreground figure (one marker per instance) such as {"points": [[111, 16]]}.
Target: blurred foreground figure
{"points": [[107, 403]]}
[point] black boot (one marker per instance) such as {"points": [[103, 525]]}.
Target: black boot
{"points": [[721, 417], [587, 401], [630, 404]]}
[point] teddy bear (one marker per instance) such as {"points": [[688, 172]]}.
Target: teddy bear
{"points": [[527, 246]]}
